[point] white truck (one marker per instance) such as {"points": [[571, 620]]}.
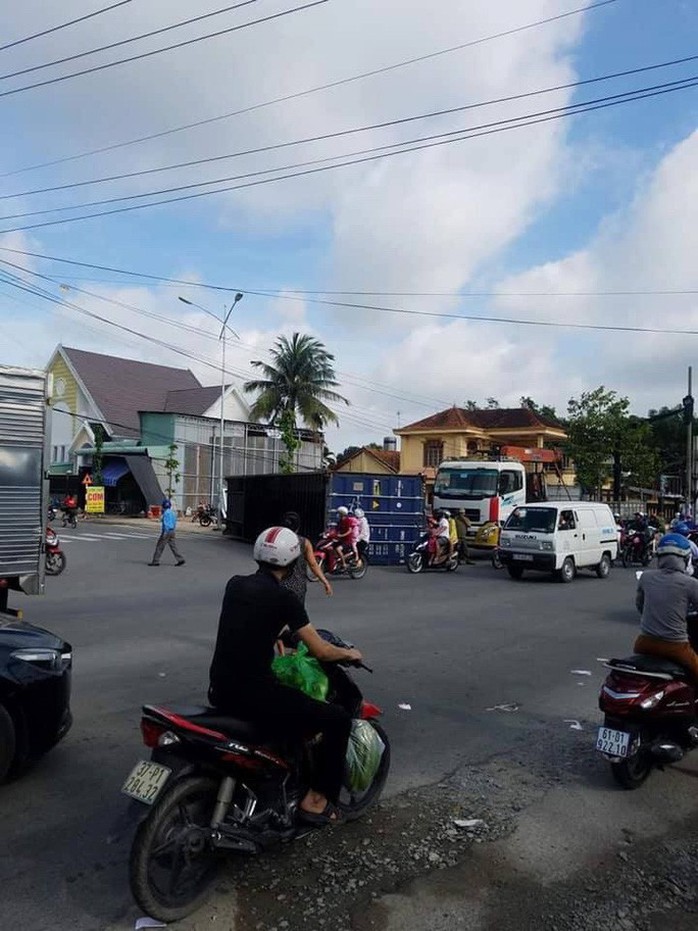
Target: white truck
{"points": [[24, 411]]}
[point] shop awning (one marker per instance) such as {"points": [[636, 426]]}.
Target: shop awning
{"points": [[113, 471]]}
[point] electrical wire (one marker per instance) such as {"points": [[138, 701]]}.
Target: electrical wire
{"points": [[347, 132], [379, 153], [290, 292], [138, 38], [168, 48], [70, 22], [311, 90]]}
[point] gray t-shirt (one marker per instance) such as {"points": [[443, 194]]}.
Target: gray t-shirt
{"points": [[664, 597]]}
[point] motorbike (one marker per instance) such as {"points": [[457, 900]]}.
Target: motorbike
{"points": [[55, 557], [636, 547], [327, 558], [70, 519], [205, 514], [51, 513], [215, 785], [650, 706], [418, 559], [487, 537]]}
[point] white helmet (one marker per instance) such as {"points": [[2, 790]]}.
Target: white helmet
{"points": [[342, 511], [359, 512], [277, 546]]}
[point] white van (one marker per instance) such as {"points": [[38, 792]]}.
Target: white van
{"points": [[559, 537]]}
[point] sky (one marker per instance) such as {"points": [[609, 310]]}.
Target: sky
{"points": [[578, 220]]}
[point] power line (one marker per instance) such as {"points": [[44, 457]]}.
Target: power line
{"points": [[271, 292], [311, 90], [138, 38], [167, 48], [426, 142], [347, 132], [70, 22]]}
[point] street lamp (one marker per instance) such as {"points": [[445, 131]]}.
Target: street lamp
{"points": [[221, 337]]}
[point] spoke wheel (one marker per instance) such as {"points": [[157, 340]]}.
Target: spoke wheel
{"points": [[55, 563], [173, 866], [354, 804], [358, 572], [205, 520], [415, 562]]}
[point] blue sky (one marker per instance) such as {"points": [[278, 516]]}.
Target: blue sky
{"points": [[603, 201]]}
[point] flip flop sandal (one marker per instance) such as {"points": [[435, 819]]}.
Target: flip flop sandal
{"points": [[328, 816]]}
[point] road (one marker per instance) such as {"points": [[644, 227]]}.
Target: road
{"points": [[453, 647]]}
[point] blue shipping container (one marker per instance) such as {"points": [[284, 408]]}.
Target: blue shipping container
{"points": [[393, 504]]}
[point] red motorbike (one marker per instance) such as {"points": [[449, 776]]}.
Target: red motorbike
{"points": [[636, 547], [328, 558], [649, 707], [55, 557]]}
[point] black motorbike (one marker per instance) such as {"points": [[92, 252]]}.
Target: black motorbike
{"points": [[70, 519], [419, 560], [205, 514], [215, 785]]}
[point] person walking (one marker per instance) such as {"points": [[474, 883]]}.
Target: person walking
{"points": [[297, 580], [167, 536], [462, 528]]}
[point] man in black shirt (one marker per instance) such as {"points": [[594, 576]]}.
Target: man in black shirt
{"points": [[255, 610]]}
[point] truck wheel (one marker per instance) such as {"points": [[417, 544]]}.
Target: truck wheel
{"points": [[566, 572]]}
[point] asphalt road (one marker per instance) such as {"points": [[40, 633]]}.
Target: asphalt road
{"points": [[452, 646]]}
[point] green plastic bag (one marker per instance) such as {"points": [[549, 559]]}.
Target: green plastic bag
{"points": [[303, 672], [364, 753]]}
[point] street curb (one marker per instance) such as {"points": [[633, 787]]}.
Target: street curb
{"points": [[184, 525]]}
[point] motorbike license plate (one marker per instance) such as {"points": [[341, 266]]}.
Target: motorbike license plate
{"points": [[523, 557], [613, 743], [145, 781]]}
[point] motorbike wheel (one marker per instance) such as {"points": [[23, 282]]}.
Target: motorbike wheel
{"points": [[205, 520], [452, 563], [633, 772], [55, 563], [358, 572], [415, 562], [172, 867], [497, 560], [320, 560], [354, 804], [626, 556], [646, 558]]}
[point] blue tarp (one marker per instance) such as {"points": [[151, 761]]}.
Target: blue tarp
{"points": [[113, 471]]}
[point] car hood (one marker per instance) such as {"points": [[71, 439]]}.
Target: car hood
{"points": [[17, 635]]}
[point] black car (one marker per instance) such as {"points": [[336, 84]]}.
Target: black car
{"points": [[35, 672]]}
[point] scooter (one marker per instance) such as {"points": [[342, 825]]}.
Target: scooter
{"points": [[216, 785], [328, 559], [419, 558], [55, 557]]}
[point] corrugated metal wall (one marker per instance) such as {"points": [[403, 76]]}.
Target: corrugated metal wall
{"points": [[393, 506], [22, 440]]}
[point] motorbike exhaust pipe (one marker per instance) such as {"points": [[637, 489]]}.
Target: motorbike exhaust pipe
{"points": [[666, 751]]}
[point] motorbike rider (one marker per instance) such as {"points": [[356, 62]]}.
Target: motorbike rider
{"points": [[347, 535], [441, 534], [683, 528], [255, 609], [364, 532], [663, 598]]}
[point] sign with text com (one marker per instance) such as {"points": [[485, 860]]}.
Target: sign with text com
{"points": [[94, 500]]}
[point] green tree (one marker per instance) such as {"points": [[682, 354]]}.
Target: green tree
{"points": [[471, 405], [669, 439], [492, 404], [545, 410], [172, 469], [298, 383], [603, 437]]}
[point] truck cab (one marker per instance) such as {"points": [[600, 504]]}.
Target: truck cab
{"points": [[486, 490]]}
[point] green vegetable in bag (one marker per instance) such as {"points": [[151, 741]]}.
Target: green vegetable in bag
{"points": [[303, 672], [364, 753]]}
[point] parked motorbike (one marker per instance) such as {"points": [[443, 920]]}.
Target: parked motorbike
{"points": [[419, 559], [327, 558], [215, 785], [55, 557], [205, 514]]}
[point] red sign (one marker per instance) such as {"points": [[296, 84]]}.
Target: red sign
{"points": [[87, 480]]}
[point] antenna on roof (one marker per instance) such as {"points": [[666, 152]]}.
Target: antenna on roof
{"points": [[398, 420]]}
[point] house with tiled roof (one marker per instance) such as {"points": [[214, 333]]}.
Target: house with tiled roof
{"points": [[145, 408], [460, 433], [372, 460]]}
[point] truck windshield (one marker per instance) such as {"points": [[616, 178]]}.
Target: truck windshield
{"points": [[468, 483], [532, 520]]}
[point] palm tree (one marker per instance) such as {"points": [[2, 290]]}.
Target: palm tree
{"points": [[297, 383]]}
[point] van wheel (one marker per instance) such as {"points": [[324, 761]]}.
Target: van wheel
{"points": [[566, 572], [516, 572], [604, 567]]}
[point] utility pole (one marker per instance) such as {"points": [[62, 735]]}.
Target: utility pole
{"points": [[688, 420]]}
